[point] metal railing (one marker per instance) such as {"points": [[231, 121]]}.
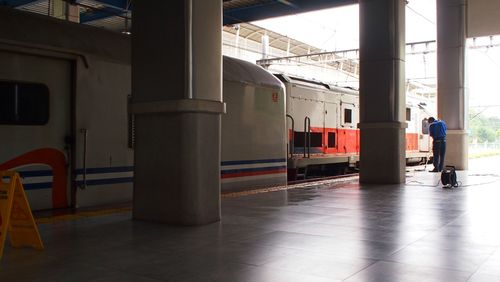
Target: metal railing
{"points": [[291, 148], [84, 133], [307, 137]]}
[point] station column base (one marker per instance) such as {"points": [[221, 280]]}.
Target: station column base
{"points": [[177, 161], [457, 152], [382, 154]]}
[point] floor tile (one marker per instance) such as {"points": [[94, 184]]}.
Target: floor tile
{"points": [[383, 271], [346, 231]]}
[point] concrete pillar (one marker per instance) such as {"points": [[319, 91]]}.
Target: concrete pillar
{"points": [[382, 91], [452, 92], [177, 102]]}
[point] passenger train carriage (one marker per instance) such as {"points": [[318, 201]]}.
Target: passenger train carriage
{"points": [[65, 127], [253, 129], [323, 138]]}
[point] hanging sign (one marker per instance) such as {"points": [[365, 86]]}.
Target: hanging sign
{"points": [[15, 214]]}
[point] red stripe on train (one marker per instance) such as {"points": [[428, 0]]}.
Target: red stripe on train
{"points": [[412, 141], [347, 140], [53, 158]]}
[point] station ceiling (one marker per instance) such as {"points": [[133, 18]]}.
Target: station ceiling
{"points": [[235, 11]]}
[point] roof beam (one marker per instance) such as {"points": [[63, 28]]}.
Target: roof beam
{"points": [[119, 4], [18, 3], [279, 8], [274, 8], [111, 8]]}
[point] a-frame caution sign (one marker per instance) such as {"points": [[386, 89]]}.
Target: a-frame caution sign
{"points": [[15, 214]]}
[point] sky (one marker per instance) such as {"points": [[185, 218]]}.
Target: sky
{"points": [[337, 29]]}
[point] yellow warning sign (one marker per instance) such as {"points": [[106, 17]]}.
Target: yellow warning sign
{"points": [[15, 214]]}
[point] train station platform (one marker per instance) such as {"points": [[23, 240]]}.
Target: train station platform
{"points": [[328, 231]]}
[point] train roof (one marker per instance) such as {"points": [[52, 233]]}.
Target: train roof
{"points": [[237, 70], [316, 84]]}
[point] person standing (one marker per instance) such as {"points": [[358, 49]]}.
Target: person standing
{"points": [[437, 130]]}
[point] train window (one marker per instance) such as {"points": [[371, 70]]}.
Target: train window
{"points": [[331, 139], [316, 139], [408, 114], [347, 116], [23, 103], [425, 126]]}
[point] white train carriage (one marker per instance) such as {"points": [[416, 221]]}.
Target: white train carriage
{"points": [[64, 123], [322, 128], [417, 111], [253, 129]]}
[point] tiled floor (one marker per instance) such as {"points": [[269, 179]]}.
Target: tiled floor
{"points": [[338, 232]]}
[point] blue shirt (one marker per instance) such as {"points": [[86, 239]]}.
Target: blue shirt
{"points": [[437, 130]]}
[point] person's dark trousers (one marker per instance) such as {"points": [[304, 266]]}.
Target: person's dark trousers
{"points": [[438, 152]]}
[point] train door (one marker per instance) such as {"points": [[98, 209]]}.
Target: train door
{"points": [[348, 134], [424, 139], [412, 129], [331, 125], [35, 125]]}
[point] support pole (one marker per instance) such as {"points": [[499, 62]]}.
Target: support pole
{"points": [[382, 97], [177, 102], [452, 100]]}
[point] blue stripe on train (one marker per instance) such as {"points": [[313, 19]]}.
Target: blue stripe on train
{"points": [[92, 182], [94, 170], [35, 173], [255, 169], [37, 186], [252, 162], [90, 170], [98, 170]]}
